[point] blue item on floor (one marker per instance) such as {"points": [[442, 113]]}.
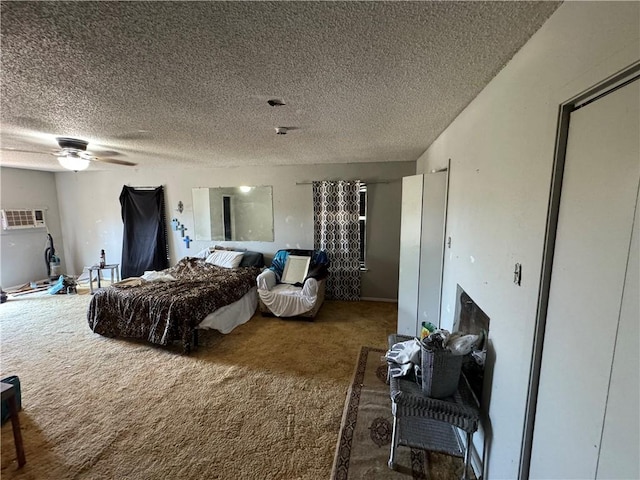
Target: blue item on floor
{"points": [[64, 284], [57, 287]]}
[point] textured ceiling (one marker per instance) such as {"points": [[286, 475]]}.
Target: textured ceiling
{"points": [[186, 83]]}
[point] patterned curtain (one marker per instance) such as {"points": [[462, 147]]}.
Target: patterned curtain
{"points": [[336, 208]]}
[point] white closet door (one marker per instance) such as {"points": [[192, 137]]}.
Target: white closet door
{"points": [[621, 436], [410, 236], [597, 208], [434, 207]]}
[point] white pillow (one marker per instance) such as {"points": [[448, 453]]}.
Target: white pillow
{"points": [[203, 254], [225, 258]]}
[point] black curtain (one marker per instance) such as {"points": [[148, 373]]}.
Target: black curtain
{"points": [[144, 241]]}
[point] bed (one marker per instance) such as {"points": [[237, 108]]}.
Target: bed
{"points": [[171, 305]]}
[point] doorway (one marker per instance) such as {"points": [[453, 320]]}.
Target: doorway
{"points": [[227, 217]]}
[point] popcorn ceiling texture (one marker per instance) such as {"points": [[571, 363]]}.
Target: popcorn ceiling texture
{"points": [[187, 83]]}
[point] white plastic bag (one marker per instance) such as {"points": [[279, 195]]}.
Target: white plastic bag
{"points": [[404, 352], [463, 344]]}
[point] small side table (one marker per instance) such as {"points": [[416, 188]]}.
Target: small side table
{"points": [[9, 394], [430, 423], [113, 267]]}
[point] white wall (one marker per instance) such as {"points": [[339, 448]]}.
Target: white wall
{"points": [[502, 148], [22, 251], [90, 211]]}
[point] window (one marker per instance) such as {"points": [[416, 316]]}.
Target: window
{"points": [[362, 220]]}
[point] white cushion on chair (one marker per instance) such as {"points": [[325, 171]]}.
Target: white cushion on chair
{"points": [[266, 280], [284, 300]]}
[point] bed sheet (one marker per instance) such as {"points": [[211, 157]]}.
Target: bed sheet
{"points": [[226, 318]]}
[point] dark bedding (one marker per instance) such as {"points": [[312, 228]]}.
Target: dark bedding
{"points": [[163, 312]]}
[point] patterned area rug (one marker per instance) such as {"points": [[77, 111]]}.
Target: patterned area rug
{"points": [[364, 441]]}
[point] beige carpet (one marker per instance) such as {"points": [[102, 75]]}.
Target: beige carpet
{"points": [[364, 440], [264, 402]]}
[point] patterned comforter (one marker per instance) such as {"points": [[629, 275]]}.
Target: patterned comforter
{"points": [[163, 312]]}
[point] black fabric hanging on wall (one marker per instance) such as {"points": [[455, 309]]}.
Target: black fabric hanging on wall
{"points": [[144, 240]]}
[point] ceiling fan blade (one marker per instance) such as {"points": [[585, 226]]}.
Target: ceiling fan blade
{"points": [[33, 124], [27, 139], [104, 153], [114, 161], [23, 150]]}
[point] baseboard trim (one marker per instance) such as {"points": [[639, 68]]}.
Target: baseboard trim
{"points": [[376, 299]]}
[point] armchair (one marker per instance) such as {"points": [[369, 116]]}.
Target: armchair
{"points": [[299, 300]]}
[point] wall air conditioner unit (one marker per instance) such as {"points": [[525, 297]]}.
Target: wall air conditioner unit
{"points": [[22, 218]]}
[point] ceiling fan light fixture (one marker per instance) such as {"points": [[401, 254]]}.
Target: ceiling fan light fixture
{"points": [[72, 161]]}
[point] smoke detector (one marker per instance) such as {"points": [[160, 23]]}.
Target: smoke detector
{"points": [[281, 130]]}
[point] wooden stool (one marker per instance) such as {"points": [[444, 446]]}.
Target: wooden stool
{"points": [[9, 394]]}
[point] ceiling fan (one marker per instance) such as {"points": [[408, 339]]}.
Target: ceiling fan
{"points": [[73, 154]]}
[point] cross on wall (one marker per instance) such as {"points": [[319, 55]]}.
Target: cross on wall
{"points": [[176, 225]]}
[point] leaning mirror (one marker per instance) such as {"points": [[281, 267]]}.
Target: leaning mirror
{"points": [[233, 214]]}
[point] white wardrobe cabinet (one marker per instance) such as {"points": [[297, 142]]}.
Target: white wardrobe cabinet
{"points": [[422, 230]]}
